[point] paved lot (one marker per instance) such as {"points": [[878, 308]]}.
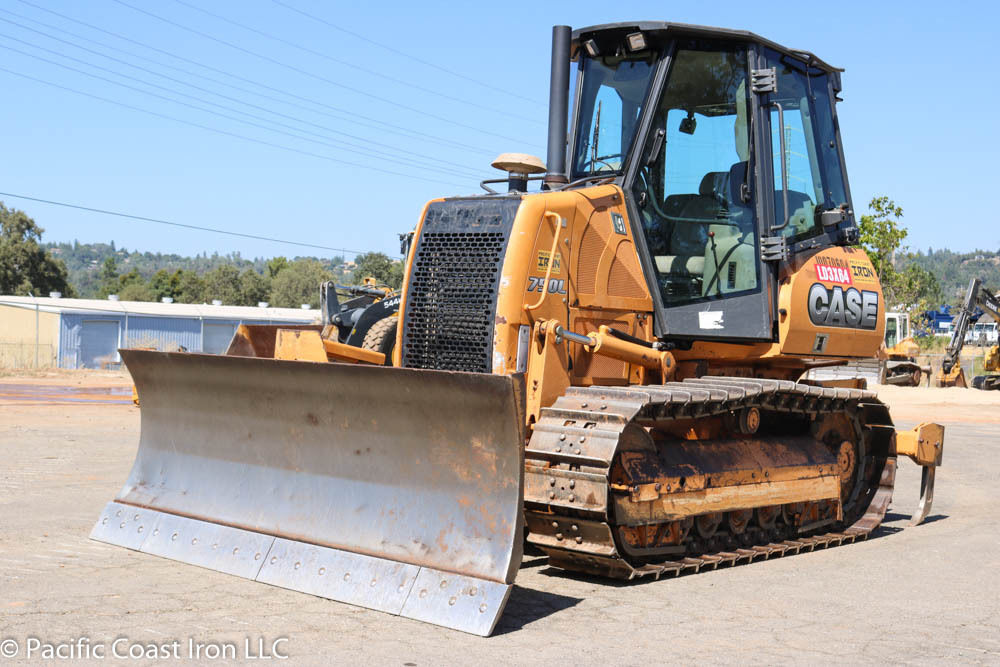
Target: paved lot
{"points": [[914, 595]]}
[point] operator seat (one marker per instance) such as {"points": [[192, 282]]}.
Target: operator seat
{"points": [[689, 230], [730, 261]]}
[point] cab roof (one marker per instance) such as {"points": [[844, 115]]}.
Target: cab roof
{"points": [[662, 30]]}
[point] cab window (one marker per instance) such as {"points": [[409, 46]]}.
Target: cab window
{"points": [[692, 192], [804, 142], [611, 100], [891, 334]]}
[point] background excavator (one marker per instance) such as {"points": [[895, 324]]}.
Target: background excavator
{"points": [[608, 367], [951, 374]]}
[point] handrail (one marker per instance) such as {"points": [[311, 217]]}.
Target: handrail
{"points": [[784, 168], [552, 258], [505, 179]]}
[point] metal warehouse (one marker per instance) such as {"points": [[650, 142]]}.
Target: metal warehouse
{"points": [[87, 333]]}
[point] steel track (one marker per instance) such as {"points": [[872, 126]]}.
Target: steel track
{"points": [[568, 458]]}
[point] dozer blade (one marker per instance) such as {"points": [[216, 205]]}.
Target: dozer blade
{"points": [[394, 489]]}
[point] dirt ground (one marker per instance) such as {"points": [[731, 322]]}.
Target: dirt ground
{"points": [[915, 595]]}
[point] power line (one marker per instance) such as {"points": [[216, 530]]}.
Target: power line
{"points": [[404, 54], [365, 147], [202, 109], [343, 113], [318, 77], [142, 218], [357, 67], [371, 153], [218, 131]]}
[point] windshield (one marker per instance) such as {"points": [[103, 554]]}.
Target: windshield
{"points": [[611, 100]]}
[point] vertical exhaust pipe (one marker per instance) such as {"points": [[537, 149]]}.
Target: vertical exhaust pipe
{"points": [[556, 173]]}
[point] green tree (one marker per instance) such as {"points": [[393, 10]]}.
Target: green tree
{"points": [[298, 283], [395, 280], [917, 291], [223, 282], [108, 283], [133, 287], [912, 288], [163, 284], [254, 288], [882, 235], [275, 265], [190, 287], [26, 267], [378, 265], [137, 291]]}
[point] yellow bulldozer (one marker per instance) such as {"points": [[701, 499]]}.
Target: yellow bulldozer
{"points": [[606, 368], [898, 356], [951, 373]]}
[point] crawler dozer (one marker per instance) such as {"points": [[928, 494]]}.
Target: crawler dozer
{"points": [[898, 360], [606, 367], [951, 373]]}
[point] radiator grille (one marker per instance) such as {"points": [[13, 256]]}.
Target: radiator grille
{"points": [[451, 295]]}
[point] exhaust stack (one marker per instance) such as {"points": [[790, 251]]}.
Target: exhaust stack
{"points": [[558, 106]]}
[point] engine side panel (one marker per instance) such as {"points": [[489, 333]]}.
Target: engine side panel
{"points": [[833, 306]]}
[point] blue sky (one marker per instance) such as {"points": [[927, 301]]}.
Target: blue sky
{"points": [[328, 109]]}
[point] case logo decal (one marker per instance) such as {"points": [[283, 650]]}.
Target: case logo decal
{"points": [[837, 307]]}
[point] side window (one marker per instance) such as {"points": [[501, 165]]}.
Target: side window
{"points": [[806, 165], [696, 209], [798, 168]]}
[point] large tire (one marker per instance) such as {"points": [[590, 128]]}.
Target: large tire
{"points": [[382, 337]]}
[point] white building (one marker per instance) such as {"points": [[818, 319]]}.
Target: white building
{"points": [[87, 333]]}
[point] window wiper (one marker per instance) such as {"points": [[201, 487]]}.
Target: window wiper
{"points": [[597, 136]]}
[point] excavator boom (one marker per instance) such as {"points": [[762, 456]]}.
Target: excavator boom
{"points": [[951, 374]]}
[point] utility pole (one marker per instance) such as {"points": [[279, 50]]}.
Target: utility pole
{"points": [[36, 328]]}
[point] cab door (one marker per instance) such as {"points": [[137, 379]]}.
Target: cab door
{"points": [[800, 159], [695, 198]]}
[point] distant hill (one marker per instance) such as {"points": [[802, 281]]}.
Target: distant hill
{"points": [[954, 270], [84, 260]]}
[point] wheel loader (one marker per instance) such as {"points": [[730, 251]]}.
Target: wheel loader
{"points": [[367, 320], [951, 373], [606, 367]]}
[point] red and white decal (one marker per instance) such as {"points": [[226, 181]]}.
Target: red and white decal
{"points": [[833, 274]]}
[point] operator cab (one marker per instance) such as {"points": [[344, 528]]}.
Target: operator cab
{"points": [[727, 148]]}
